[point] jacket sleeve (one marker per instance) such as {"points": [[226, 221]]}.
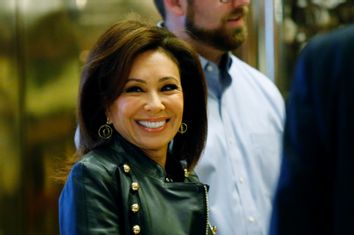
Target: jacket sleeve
{"points": [[313, 191], [301, 201], [87, 204]]}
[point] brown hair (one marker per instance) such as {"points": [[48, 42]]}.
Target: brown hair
{"points": [[106, 72]]}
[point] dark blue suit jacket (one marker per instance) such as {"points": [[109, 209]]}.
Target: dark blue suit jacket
{"points": [[315, 194]]}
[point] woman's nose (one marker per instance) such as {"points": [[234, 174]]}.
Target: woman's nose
{"points": [[154, 103]]}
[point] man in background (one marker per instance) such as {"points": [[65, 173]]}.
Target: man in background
{"points": [[315, 192], [245, 115]]}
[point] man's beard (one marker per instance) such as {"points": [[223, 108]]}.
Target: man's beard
{"points": [[219, 38]]}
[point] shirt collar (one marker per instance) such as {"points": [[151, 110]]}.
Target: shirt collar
{"points": [[137, 158], [161, 24], [225, 63]]}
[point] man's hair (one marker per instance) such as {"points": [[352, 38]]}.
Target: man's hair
{"points": [[161, 8]]}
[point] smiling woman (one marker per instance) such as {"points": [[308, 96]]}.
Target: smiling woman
{"points": [[149, 111], [139, 85]]}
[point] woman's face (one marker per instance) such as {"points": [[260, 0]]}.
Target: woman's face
{"points": [[149, 111]]}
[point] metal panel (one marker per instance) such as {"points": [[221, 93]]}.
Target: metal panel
{"points": [[42, 47]]}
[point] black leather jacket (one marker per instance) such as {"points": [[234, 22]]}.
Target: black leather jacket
{"points": [[118, 190]]}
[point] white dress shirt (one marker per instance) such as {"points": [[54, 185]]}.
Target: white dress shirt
{"points": [[242, 157]]}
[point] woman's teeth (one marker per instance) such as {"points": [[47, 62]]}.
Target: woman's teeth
{"points": [[152, 125]]}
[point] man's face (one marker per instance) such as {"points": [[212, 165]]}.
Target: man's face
{"points": [[220, 25]]}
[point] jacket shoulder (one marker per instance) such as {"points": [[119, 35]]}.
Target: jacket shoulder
{"points": [[102, 162]]}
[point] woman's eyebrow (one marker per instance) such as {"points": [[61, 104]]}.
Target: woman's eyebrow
{"points": [[136, 80], [168, 78]]}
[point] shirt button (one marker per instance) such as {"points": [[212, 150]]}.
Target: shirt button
{"points": [[242, 180], [209, 68], [251, 219]]}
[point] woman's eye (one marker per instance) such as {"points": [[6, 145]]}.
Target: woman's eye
{"points": [[133, 89], [169, 87]]}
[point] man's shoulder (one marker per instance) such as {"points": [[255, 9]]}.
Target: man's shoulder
{"points": [[240, 70], [255, 84], [335, 37], [242, 66]]}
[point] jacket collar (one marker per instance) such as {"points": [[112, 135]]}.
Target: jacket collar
{"points": [[138, 159]]}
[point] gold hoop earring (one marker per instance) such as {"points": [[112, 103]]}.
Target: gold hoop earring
{"points": [[105, 131], [183, 128]]}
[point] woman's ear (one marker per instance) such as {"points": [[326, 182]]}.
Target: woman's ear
{"points": [[177, 7]]}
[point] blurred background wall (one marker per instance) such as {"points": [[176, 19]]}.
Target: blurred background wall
{"points": [[42, 47]]}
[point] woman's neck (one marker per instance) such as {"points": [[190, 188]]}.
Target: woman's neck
{"points": [[157, 155]]}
